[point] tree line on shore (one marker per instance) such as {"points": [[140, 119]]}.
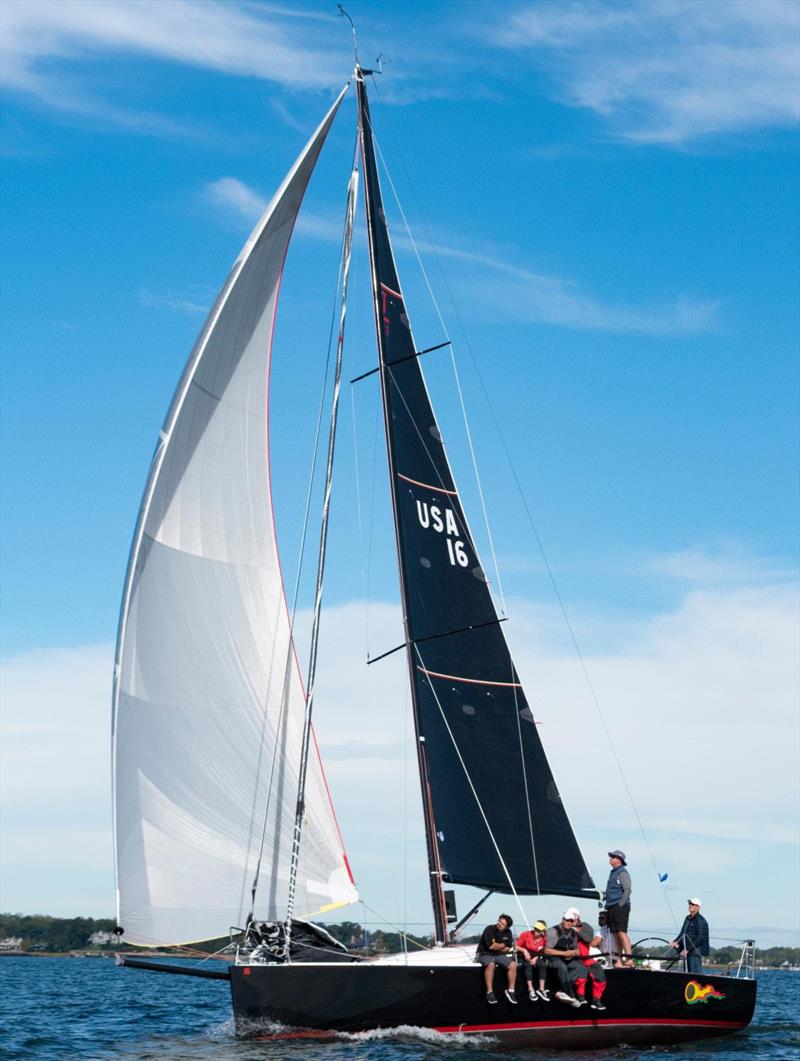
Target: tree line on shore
{"points": [[38, 932]]}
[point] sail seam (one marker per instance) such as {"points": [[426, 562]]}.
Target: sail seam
{"points": [[472, 681], [427, 486]]}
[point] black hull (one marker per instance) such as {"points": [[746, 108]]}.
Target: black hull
{"points": [[643, 1008]]}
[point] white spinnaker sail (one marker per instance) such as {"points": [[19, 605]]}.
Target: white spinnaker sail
{"points": [[208, 700]]}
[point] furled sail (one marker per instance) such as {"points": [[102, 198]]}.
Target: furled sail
{"points": [[208, 699], [495, 816]]}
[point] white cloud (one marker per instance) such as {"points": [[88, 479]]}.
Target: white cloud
{"points": [[492, 279], [729, 564], [701, 702], [231, 37], [238, 200], [527, 296], [235, 197], [495, 283], [55, 779], [667, 71], [177, 303]]}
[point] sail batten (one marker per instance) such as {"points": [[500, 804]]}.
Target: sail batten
{"points": [[208, 698], [494, 817]]}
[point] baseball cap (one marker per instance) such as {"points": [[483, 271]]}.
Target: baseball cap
{"points": [[618, 854], [572, 913], [695, 901], [540, 925]]}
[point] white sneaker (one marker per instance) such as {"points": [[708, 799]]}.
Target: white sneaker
{"points": [[543, 994], [533, 996]]}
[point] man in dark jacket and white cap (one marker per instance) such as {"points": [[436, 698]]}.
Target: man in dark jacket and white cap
{"points": [[693, 937], [618, 906]]}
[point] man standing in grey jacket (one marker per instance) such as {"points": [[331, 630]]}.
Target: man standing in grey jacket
{"points": [[618, 907]]}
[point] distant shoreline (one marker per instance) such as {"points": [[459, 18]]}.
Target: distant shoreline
{"points": [[90, 954]]}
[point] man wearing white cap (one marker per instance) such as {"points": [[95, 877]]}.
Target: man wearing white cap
{"points": [[693, 937], [561, 948]]}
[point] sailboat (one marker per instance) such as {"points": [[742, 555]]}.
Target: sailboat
{"points": [[223, 815]]}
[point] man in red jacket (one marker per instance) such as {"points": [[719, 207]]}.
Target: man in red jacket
{"points": [[593, 972]]}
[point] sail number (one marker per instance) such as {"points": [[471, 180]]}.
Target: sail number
{"points": [[443, 521]]}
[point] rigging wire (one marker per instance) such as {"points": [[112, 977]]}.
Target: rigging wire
{"points": [[366, 562], [406, 743], [312, 658], [474, 792], [540, 545], [513, 679], [366, 554], [385, 921], [298, 574], [359, 522], [292, 614]]}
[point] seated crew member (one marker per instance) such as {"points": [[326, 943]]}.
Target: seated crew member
{"points": [[561, 948], [608, 943], [530, 947], [593, 971], [496, 947], [693, 937]]}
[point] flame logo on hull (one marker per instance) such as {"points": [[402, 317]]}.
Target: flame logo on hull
{"points": [[697, 992]]}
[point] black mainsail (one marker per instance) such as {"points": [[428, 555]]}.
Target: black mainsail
{"points": [[494, 817]]}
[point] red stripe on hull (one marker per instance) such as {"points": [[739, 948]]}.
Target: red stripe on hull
{"points": [[598, 1022]]}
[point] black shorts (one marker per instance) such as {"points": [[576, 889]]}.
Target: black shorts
{"points": [[617, 918]]}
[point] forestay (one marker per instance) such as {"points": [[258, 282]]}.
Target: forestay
{"points": [[208, 700]]}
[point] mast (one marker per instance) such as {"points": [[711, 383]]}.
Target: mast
{"points": [[385, 280]]}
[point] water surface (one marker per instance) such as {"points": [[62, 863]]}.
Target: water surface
{"points": [[57, 1008]]}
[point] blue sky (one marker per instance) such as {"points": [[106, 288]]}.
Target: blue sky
{"points": [[604, 196]]}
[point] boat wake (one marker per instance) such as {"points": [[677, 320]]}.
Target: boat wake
{"points": [[425, 1035], [272, 1030]]}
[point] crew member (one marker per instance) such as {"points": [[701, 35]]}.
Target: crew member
{"points": [[618, 907], [496, 947], [693, 937]]}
